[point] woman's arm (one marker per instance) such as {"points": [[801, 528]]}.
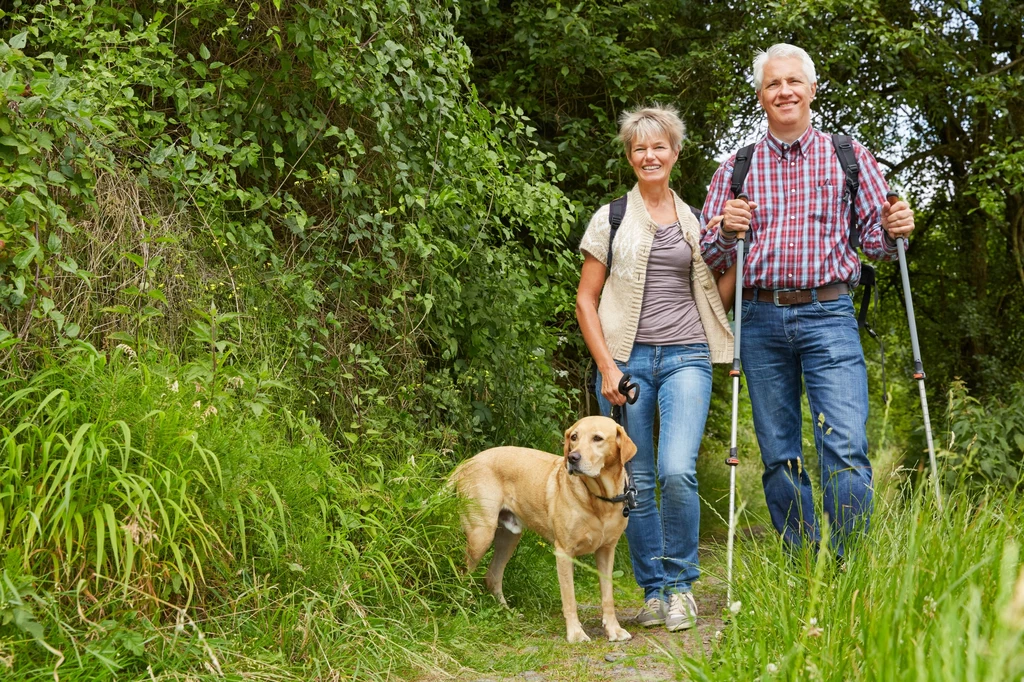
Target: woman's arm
{"points": [[725, 279], [587, 296]]}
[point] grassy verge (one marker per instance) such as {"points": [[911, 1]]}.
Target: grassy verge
{"points": [[928, 595], [162, 522]]}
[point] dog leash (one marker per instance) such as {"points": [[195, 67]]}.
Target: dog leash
{"points": [[632, 393]]}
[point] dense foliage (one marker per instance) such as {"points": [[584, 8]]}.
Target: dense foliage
{"points": [[890, 611], [323, 173], [273, 222], [155, 523]]}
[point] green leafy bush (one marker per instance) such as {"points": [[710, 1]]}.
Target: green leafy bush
{"points": [[324, 172], [986, 439]]}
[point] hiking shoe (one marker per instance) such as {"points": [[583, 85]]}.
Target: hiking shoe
{"points": [[652, 613], [682, 612]]}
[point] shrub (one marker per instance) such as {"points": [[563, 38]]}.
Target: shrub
{"points": [[986, 439]]}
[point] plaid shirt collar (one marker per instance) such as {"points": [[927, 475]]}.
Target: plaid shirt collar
{"points": [[797, 149]]}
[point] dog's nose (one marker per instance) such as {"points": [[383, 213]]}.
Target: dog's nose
{"points": [[575, 457]]}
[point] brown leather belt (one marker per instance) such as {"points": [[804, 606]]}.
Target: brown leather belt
{"points": [[832, 292]]}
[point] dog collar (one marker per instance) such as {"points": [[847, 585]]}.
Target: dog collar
{"points": [[628, 496]]}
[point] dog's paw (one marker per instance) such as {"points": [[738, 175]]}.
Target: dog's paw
{"points": [[576, 635], [617, 634]]}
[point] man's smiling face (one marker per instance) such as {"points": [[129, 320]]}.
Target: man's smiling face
{"points": [[786, 96]]}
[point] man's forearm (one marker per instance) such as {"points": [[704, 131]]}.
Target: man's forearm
{"points": [[718, 249]]}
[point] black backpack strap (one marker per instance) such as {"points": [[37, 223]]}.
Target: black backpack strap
{"points": [[851, 169], [740, 169], [739, 175], [616, 211], [867, 280]]}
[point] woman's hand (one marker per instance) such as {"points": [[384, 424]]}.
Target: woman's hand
{"points": [[610, 379]]}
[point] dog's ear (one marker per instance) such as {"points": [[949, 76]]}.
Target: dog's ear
{"points": [[627, 448]]}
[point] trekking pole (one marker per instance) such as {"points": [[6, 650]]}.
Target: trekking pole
{"points": [[733, 461], [901, 247]]}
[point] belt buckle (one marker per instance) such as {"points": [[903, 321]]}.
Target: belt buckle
{"points": [[775, 296]]}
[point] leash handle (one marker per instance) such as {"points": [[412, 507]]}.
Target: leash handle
{"points": [[630, 390]]}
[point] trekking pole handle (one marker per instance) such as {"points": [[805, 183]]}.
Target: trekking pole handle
{"points": [[892, 197], [743, 197], [630, 390]]}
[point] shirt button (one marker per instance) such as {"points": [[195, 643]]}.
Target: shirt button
{"points": [[792, 217], [791, 274], [792, 244]]}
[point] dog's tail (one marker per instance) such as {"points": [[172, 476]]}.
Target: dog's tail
{"points": [[457, 473]]}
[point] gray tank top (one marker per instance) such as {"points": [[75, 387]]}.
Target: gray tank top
{"points": [[668, 315]]}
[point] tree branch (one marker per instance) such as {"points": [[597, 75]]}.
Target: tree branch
{"points": [[896, 167], [1004, 67]]}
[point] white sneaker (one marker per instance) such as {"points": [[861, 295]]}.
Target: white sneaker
{"points": [[652, 613], [682, 612]]}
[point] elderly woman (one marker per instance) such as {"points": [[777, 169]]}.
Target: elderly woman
{"points": [[661, 320]]}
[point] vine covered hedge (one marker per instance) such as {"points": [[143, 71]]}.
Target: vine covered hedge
{"points": [[323, 172]]}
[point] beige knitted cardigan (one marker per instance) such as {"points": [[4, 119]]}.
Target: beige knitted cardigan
{"points": [[623, 292]]}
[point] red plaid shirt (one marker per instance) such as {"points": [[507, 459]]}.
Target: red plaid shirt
{"points": [[801, 224]]}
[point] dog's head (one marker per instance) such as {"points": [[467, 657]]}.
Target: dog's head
{"points": [[594, 444]]}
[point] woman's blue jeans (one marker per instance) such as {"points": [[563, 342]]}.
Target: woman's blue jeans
{"points": [[820, 341], [675, 383]]}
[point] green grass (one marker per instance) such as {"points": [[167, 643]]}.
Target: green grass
{"points": [[146, 536], [926, 596], [159, 522]]}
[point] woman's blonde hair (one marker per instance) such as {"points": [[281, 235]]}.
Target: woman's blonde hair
{"points": [[647, 122]]}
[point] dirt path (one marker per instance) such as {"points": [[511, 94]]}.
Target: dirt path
{"points": [[648, 657]]}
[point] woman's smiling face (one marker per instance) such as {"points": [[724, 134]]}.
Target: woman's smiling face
{"points": [[652, 159]]}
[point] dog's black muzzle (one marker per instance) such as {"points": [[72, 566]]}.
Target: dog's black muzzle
{"points": [[572, 463]]}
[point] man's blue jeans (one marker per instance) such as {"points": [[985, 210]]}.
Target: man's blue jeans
{"points": [[675, 382], [821, 342]]}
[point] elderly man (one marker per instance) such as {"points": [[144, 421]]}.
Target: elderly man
{"points": [[798, 315]]}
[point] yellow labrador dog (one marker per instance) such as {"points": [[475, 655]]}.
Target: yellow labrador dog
{"points": [[558, 498]]}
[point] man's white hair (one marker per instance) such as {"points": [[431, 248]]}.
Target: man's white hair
{"points": [[783, 51]]}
